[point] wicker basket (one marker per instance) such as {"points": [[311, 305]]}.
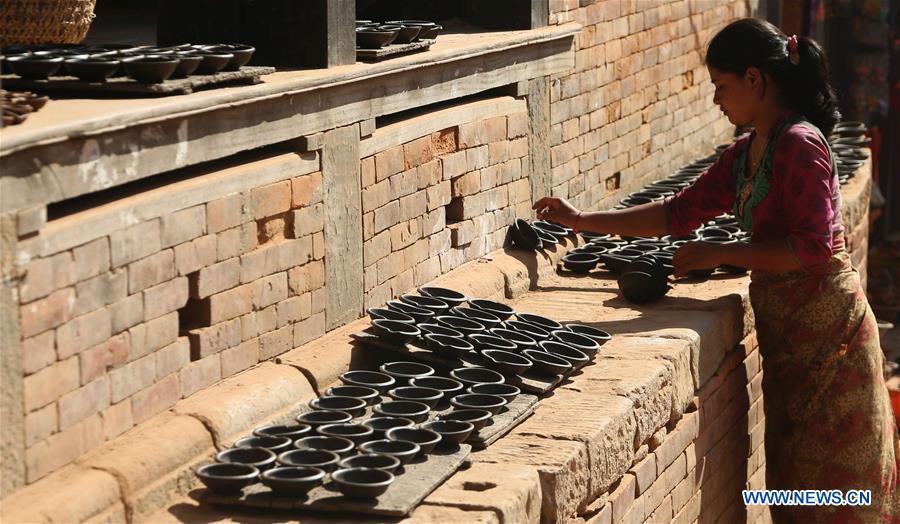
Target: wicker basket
{"points": [[31, 22]]}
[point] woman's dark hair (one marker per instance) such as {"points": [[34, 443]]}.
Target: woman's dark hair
{"points": [[751, 42]]}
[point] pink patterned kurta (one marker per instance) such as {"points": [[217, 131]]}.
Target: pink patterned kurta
{"points": [[829, 423]]}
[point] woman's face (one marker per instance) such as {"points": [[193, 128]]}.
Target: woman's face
{"points": [[737, 96]]}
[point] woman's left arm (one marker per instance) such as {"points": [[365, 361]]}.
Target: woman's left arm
{"points": [[774, 255]]}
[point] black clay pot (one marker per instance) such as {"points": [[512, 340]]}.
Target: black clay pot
{"points": [[597, 335], [380, 425], [427, 396], [260, 458], [227, 478], [506, 361], [451, 297], [498, 309], [369, 395], [437, 306], [425, 438], [524, 235], [34, 67], [547, 363], [640, 288], [543, 322], [373, 38], [490, 403], [465, 326], [580, 262], [472, 376], [421, 315], [151, 69], [451, 431], [505, 391], [482, 342], [352, 405], [382, 313], [614, 263], [404, 451], [477, 417], [340, 445], [362, 483], [311, 458], [448, 386], [291, 431], [372, 379], [407, 34], [437, 329], [273, 443], [555, 230], [241, 54], [547, 239], [188, 62], [450, 346], [372, 461], [583, 343], [575, 356], [531, 330], [355, 432], [395, 332], [212, 62], [403, 371], [292, 481], [415, 411], [485, 318], [318, 418], [96, 69], [521, 340]]}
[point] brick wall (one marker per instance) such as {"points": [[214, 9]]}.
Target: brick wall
{"points": [[694, 470], [117, 329], [638, 103]]}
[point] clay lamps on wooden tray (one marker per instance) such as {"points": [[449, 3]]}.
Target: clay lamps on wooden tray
{"points": [[292, 481], [227, 478], [313, 458], [362, 483]]}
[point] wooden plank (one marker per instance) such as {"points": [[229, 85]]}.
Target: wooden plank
{"points": [[530, 382], [416, 481], [393, 50], [64, 163], [129, 86]]}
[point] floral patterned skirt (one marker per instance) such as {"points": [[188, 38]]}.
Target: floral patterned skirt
{"points": [[829, 423]]}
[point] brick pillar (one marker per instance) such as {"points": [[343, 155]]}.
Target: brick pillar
{"points": [[12, 418], [539, 136]]}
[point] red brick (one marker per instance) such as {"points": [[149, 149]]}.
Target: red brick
{"points": [[429, 174], [135, 242], [266, 319], [155, 334], [517, 125], [275, 343], [291, 253], [269, 290], [47, 313], [270, 200], [271, 230], [100, 291], [95, 361], [236, 241], [45, 275], [454, 165], [215, 278], [389, 162], [62, 448], [264, 261], [307, 189], [293, 309], [213, 339], [151, 271], [477, 158], [417, 152], [92, 258], [224, 213], [117, 419], [155, 399], [38, 352], [239, 358], [465, 185], [193, 255], [165, 298], [183, 226], [41, 424], [367, 171], [230, 304], [309, 220], [132, 377], [127, 313], [173, 357], [319, 246], [309, 329], [83, 402], [463, 208], [445, 141], [50, 383], [306, 277], [200, 374]]}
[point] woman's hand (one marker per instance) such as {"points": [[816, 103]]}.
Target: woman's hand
{"points": [[558, 210], [697, 255]]}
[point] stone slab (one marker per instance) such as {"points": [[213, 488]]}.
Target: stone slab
{"points": [[513, 492], [237, 404], [61, 497], [417, 480], [603, 423], [390, 51]]}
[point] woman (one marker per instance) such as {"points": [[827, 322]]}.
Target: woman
{"points": [[828, 417]]}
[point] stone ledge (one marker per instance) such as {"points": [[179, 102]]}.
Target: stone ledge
{"points": [[61, 497]]}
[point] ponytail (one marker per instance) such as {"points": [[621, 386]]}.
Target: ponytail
{"points": [[803, 77]]}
